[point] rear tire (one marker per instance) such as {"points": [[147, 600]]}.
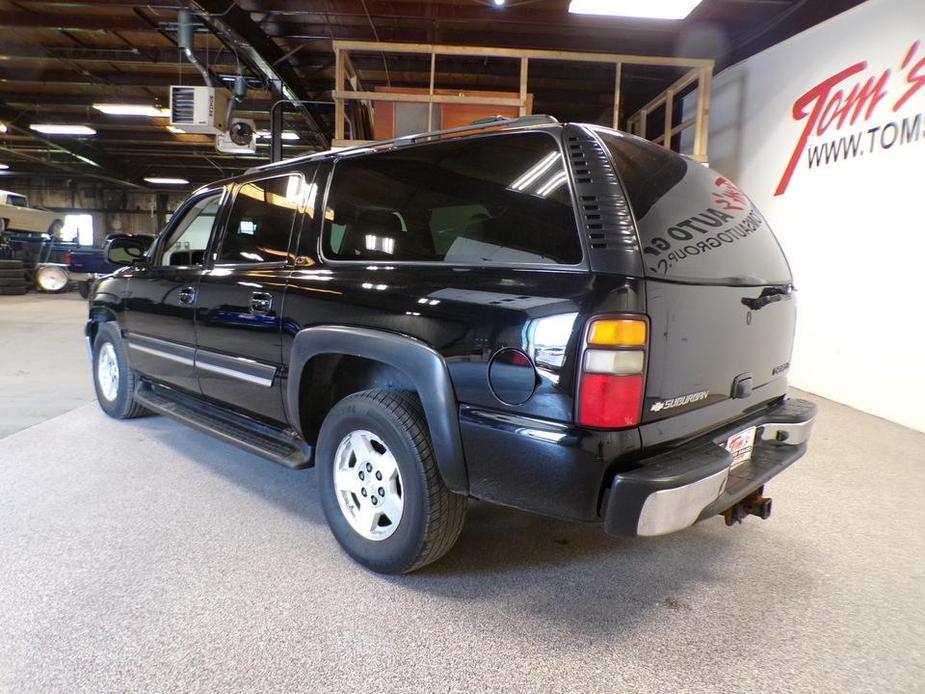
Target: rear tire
{"points": [[384, 431], [113, 378]]}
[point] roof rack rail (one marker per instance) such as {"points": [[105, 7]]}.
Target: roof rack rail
{"points": [[538, 119], [480, 124]]}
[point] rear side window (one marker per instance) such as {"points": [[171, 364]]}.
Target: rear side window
{"points": [[16, 200], [260, 221], [496, 199], [694, 225]]}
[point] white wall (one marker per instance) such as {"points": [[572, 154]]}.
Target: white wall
{"points": [[853, 230]]}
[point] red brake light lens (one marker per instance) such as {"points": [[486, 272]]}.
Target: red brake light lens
{"points": [[610, 402]]}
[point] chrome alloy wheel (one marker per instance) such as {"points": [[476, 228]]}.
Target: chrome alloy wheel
{"points": [[368, 485], [107, 371]]}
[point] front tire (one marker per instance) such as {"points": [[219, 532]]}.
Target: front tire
{"points": [[380, 488], [113, 378]]}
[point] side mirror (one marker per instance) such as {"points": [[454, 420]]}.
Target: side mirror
{"points": [[126, 250]]}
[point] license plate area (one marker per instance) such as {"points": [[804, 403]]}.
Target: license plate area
{"points": [[741, 445]]}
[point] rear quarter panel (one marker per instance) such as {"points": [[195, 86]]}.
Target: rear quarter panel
{"points": [[468, 315]]}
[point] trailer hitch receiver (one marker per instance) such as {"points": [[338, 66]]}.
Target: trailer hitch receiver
{"points": [[755, 504]]}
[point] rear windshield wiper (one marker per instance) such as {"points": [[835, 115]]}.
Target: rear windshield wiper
{"points": [[768, 295]]}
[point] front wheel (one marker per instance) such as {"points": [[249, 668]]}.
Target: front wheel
{"points": [[113, 379], [380, 488]]}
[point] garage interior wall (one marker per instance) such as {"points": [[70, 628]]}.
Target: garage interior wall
{"points": [[114, 209], [826, 134]]}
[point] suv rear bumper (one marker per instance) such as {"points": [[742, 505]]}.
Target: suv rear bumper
{"points": [[677, 488]]}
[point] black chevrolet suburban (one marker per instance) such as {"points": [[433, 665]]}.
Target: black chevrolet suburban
{"points": [[556, 317]]}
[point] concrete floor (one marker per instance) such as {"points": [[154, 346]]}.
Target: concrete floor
{"points": [[142, 556], [47, 373]]}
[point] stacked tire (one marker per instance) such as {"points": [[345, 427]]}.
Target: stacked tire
{"points": [[12, 277]]}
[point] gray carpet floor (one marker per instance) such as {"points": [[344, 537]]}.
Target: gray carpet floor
{"points": [[144, 557]]}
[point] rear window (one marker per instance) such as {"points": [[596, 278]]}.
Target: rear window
{"points": [[694, 224], [497, 199]]}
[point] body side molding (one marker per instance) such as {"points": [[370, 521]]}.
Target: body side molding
{"points": [[423, 366]]}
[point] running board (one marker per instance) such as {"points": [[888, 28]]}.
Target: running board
{"points": [[281, 446]]}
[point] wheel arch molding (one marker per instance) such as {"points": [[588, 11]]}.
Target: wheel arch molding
{"points": [[424, 368]]}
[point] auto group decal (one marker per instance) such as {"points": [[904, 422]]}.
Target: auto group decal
{"points": [[713, 227], [855, 95]]}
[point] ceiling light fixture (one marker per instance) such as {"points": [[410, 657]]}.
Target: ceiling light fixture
{"points": [[3, 128], [287, 135], [498, 3], [640, 9], [132, 110], [166, 181], [59, 129], [4, 167]]}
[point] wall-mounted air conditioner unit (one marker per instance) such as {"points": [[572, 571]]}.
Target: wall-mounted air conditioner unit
{"points": [[198, 109]]}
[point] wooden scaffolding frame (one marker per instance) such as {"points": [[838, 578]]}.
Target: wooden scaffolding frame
{"points": [[700, 71]]}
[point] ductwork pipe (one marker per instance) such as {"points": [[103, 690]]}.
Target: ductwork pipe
{"points": [[185, 30]]}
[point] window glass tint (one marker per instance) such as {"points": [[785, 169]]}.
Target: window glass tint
{"points": [[496, 199], [16, 200], [260, 221], [693, 223], [189, 239]]}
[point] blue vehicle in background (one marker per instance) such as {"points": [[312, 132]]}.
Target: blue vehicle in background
{"points": [[53, 265]]}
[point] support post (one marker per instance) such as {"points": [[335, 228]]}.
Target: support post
{"points": [[430, 93], [616, 96], [276, 125], [160, 211], [702, 132], [524, 69], [669, 107], [338, 89]]}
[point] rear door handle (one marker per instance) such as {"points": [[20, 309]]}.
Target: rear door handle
{"points": [[261, 303], [187, 295]]}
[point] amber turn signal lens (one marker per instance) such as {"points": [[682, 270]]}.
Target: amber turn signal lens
{"points": [[617, 332]]}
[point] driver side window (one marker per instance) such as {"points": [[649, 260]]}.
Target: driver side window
{"points": [[189, 239]]}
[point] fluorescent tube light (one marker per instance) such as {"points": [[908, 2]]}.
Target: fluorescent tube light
{"points": [[58, 129], [132, 110], [165, 181], [4, 167], [287, 135], [641, 9]]}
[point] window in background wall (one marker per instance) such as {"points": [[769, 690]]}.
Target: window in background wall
{"points": [[78, 226]]}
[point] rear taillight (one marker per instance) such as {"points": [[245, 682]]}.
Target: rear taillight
{"points": [[612, 383], [69, 258]]}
